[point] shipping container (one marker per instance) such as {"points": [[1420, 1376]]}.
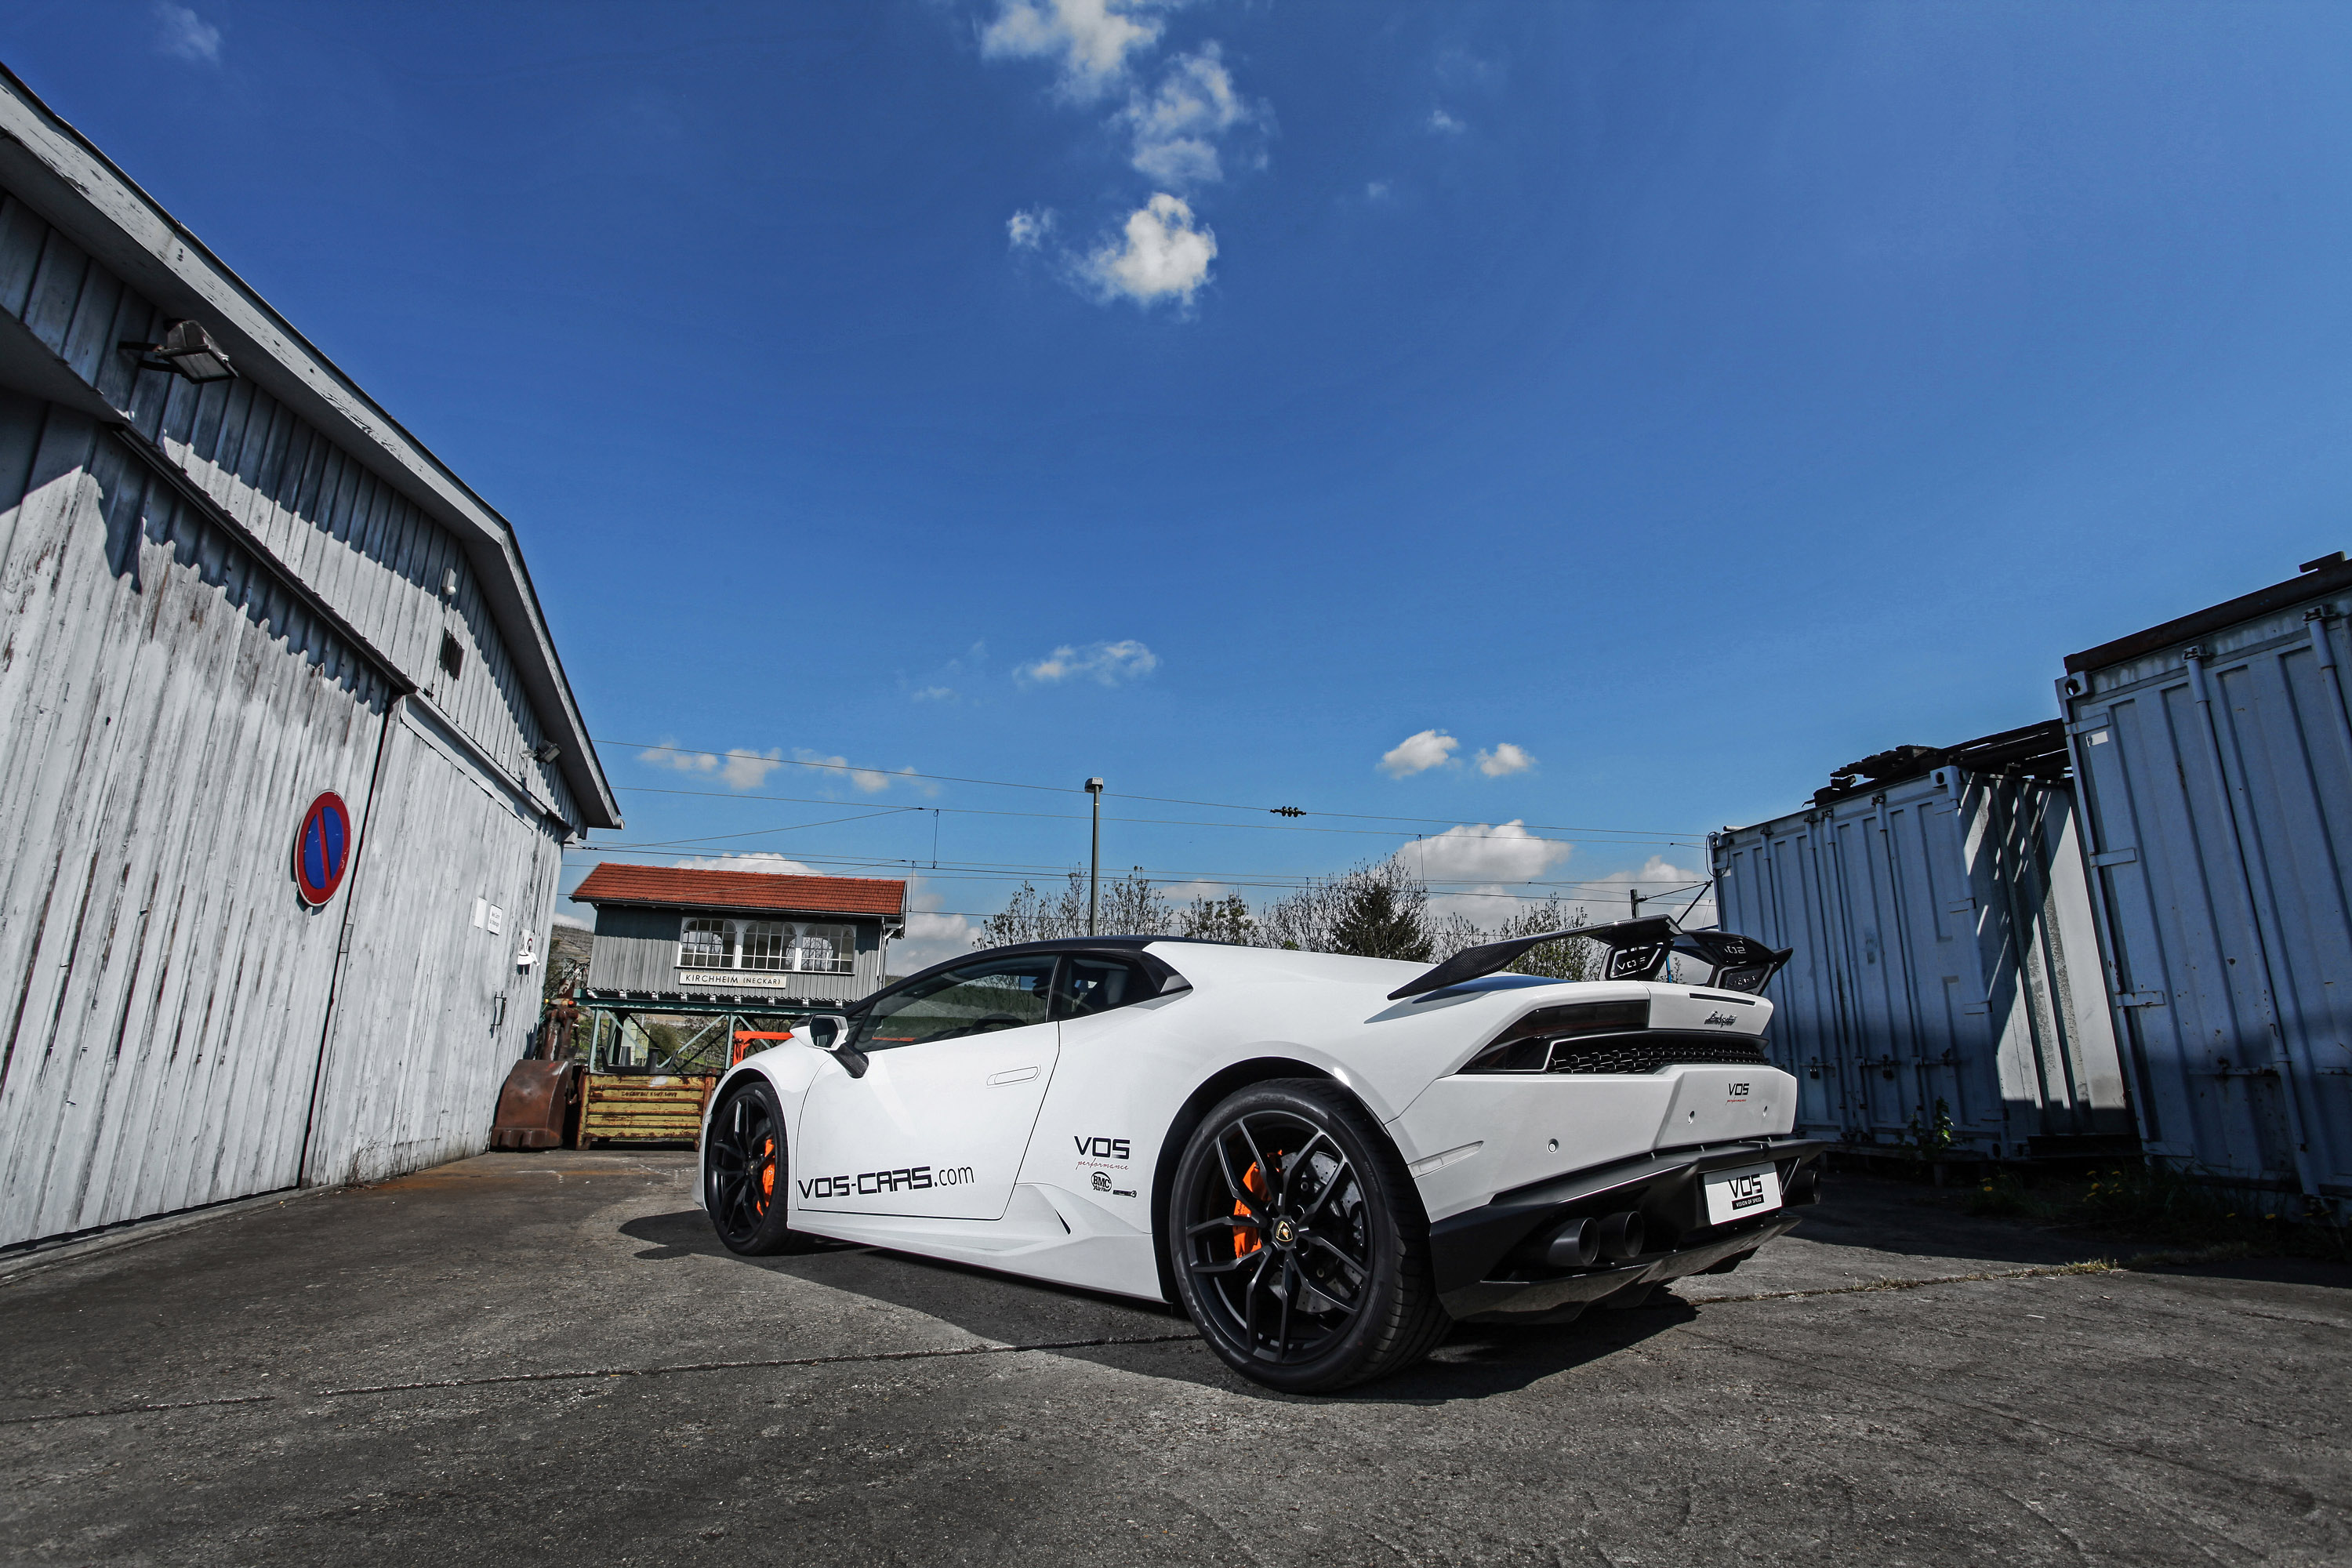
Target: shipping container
{"points": [[2215, 753], [1943, 990]]}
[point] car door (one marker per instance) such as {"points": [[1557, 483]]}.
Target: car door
{"points": [[956, 1069]]}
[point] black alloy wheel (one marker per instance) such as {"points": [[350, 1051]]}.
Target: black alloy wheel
{"points": [[1298, 1242], [745, 1172]]}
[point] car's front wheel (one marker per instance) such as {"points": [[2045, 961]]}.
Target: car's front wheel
{"points": [[745, 1172], [1298, 1243]]}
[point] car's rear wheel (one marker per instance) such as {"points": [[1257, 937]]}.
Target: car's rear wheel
{"points": [[1298, 1242], [744, 1172]]}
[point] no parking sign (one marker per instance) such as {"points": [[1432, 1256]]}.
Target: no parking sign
{"points": [[322, 850]]}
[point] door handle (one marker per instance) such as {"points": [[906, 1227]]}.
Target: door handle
{"points": [[1018, 1075]]}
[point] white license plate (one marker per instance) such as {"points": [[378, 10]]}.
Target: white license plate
{"points": [[1735, 1194]]}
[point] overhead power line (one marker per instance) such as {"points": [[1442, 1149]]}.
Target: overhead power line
{"points": [[1290, 812]]}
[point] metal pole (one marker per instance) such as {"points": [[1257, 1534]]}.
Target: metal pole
{"points": [[1094, 871]]}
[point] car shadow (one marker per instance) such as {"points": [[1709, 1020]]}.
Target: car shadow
{"points": [[1913, 1220], [1474, 1362]]}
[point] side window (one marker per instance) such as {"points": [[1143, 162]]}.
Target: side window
{"points": [[977, 999], [1091, 986]]}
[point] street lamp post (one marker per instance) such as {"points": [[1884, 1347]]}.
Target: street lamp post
{"points": [[1094, 870]]}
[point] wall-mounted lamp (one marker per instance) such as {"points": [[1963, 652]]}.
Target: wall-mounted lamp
{"points": [[187, 350], [548, 753]]}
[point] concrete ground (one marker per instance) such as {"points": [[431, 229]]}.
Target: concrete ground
{"points": [[547, 1357]]}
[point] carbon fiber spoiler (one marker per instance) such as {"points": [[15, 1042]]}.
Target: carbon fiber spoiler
{"points": [[1638, 949]]}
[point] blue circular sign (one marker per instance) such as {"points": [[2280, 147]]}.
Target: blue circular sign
{"points": [[322, 850]]}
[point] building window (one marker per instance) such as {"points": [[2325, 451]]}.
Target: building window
{"points": [[703, 944], [773, 947], [824, 949], [763, 944]]}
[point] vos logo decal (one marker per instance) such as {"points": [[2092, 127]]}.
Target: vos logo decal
{"points": [[1101, 1148]]}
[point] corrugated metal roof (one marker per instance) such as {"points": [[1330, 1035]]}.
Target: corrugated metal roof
{"points": [[675, 886]]}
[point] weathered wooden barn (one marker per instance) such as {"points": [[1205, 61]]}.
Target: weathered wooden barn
{"points": [[231, 586]]}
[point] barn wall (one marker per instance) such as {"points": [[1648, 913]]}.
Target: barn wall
{"points": [[167, 710], [377, 559], [209, 612], [433, 1009]]}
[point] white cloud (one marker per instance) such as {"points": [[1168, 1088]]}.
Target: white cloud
{"points": [[931, 937], [1478, 871], [868, 781], [1107, 663], [1478, 853], [1444, 123], [1090, 39], [1655, 878], [574, 921], [739, 768], [1418, 753], [183, 35], [1176, 128], [749, 770], [1376, 190], [1027, 229], [760, 860], [1505, 758], [1163, 253], [932, 694]]}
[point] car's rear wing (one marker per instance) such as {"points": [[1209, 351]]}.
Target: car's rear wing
{"points": [[1638, 949]]}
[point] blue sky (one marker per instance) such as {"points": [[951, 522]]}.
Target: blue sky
{"points": [[1667, 403]]}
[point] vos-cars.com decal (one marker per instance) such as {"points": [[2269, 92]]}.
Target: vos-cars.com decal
{"points": [[907, 1178]]}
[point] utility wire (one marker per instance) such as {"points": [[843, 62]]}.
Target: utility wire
{"points": [[1286, 811], [1457, 833]]}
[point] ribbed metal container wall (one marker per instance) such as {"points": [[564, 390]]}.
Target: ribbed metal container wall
{"points": [[1945, 954], [2217, 772]]}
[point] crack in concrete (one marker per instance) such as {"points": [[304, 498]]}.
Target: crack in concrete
{"points": [[135, 1409], [579, 1375], [2041, 1271]]}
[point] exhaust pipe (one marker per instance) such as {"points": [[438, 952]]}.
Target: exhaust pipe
{"points": [[1804, 1186], [1620, 1234], [1576, 1244]]}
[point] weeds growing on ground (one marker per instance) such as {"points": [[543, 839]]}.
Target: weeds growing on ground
{"points": [[2156, 1202]]}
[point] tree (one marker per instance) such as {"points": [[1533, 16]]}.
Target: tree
{"points": [[1383, 917], [1133, 906], [1570, 958], [1219, 919], [1129, 907]]}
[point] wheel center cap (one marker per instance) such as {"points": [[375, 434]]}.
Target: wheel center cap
{"points": [[1285, 1232]]}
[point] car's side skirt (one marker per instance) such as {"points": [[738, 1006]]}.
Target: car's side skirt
{"points": [[1047, 1233]]}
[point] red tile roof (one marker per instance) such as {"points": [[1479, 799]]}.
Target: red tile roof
{"points": [[615, 883]]}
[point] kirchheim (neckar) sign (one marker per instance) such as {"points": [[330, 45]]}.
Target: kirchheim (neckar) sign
{"points": [[322, 849]]}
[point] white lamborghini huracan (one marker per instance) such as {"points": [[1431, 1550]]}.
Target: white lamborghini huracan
{"points": [[1325, 1160]]}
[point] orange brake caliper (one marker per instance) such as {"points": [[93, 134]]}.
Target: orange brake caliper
{"points": [[767, 1174], [1247, 1241]]}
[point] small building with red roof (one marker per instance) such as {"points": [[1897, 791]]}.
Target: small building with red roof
{"points": [[739, 939]]}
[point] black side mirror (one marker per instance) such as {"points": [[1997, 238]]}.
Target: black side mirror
{"points": [[830, 1032]]}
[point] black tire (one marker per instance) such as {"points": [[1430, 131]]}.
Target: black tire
{"points": [[1298, 1242], [744, 1172]]}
